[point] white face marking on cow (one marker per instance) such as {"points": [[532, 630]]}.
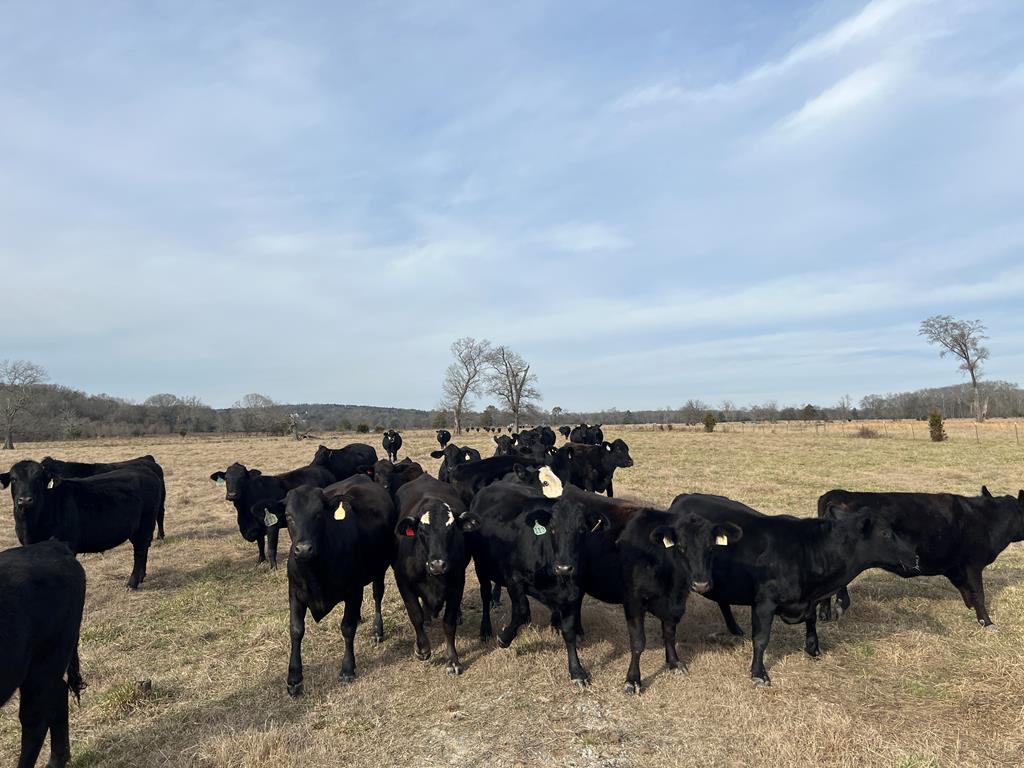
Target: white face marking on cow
{"points": [[550, 485], [451, 517], [425, 518], [667, 542], [339, 513], [468, 457], [49, 485], [721, 540]]}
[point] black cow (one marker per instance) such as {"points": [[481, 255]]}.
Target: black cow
{"points": [[470, 477], [90, 514], [245, 488], [565, 431], [453, 455], [592, 467], [353, 459], [68, 469], [391, 477], [431, 558], [586, 435], [504, 445], [41, 606], [786, 565], [343, 538], [391, 442], [533, 548], [955, 536], [444, 437]]}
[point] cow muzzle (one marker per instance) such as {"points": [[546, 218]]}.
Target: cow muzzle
{"points": [[26, 501], [303, 551], [437, 567], [700, 587], [565, 570]]}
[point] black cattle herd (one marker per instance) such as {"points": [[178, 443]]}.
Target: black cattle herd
{"points": [[530, 519]]}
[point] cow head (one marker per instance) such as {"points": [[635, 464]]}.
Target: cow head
{"points": [[616, 454], [558, 530], [235, 480], [550, 484], [691, 541], [383, 473], [437, 531], [505, 445], [30, 481], [306, 511], [565, 431], [871, 538]]}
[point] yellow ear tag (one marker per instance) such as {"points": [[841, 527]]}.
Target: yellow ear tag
{"points": [[339, 513], [667, 542], [721, 540]]}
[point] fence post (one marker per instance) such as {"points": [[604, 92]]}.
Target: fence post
{"points": [[1016, 434], [977, 437], [912, 435]]}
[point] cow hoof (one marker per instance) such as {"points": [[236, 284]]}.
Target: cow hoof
{"points": [[455, 670], [295, 689], [503, 643], [581, 682], [422, 655], [377, 638], [632, 689], [347, 677], [761, 682], [677, 669], [131, 587], [991, 628]]}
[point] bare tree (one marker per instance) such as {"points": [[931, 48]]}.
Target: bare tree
{"points": [[962, 339], [18, 381], [464, 377], [511, 382], [844, 406], [256, 412], [728, 409]]}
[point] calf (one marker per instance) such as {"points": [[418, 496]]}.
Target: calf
{"points": [[955, 536], [391, 442], [245, 488], [592, 467], [586, 435], [353, 459], [431, 558], [68, 469], [532, 547], [453, 455], [785, 565], [444, 437], [90, 514], [342, 539], [41, 608]]}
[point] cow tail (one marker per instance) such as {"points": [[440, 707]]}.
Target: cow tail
{"points": [[75, 682]]}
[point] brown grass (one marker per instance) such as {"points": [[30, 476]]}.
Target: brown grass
{"points": [[907, 679]]}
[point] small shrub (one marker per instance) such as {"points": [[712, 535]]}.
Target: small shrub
{"points": [[183, 432], [362, 429], [867, 433], [936, 428], [709, 422]]}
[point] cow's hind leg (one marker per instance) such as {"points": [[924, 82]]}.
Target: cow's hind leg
{"points": [[377, 635], [519, 616], [730, 620], [637, 643], [349, 622], [140, 553], [41, 694]]}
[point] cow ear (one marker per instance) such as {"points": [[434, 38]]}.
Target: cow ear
{"points": [[254, 473], [217, 477], [436, 454], [597, 521], [468, 522], [53, 482], [986, 492], [665, 536], [5, 479], [336, 506], [407, 526], [538, 516], [727, 533], [1020, 497]]}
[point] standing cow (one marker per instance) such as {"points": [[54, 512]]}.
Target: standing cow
{"points": [[443, 437], [391, 442]]}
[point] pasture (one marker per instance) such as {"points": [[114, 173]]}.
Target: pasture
{"points": [[906, 679]]}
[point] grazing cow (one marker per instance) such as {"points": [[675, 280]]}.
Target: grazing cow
{"points": [[353, 459], [391, 477], [431, 558], [453, 455], [786, 565], [69, 469], [444, 437], [587, 435], [955, 536], [532, 547], [246, 487], [592, 467], [90, 514], [391, 442], [565, 431], [343, 538], [41, 601]]}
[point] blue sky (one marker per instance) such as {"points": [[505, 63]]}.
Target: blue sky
{"points": [[650, 202]]}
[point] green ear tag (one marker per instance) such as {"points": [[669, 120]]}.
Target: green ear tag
{"points": [[539, 530], [269, 519]]}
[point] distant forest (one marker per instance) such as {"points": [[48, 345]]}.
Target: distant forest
{"points": [[57, 412]]}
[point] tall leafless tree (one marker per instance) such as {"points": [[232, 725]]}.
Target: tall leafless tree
{"points": [[962, 339], [18, 382], [464, 377], [256, 413], [511, 382]]}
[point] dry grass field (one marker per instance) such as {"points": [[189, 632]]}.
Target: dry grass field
{"points": [[906, 679]]}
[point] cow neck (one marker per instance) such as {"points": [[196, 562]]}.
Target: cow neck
{"points": [[828, 572], [998, 516]]}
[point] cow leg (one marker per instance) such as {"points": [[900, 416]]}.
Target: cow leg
{"points": [[39, 694], [415, 611], [811, 635], [349, 622], [60, 740], [272, 536], [762, 613], [296, 629], [452, 603], [520, 615], [486, 631], [842, 602], [730, 620], [609, 489], [972, 589], [570, 630], [668, 635], [140, 554], [377, 636], [496, 596], [160, 517], [260, 542], [637, 643]]}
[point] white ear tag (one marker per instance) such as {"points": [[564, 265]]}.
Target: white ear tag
{"points": [[538, 529], [667, 542], [269, 518], [49, 485], [339, 513], [721, 540], [468, 458]]}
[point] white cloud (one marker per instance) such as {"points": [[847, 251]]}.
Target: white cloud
{"points": [[853, 94], [585, 237]]}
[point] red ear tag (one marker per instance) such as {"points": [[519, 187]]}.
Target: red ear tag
{"points": [[409, 533]]}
